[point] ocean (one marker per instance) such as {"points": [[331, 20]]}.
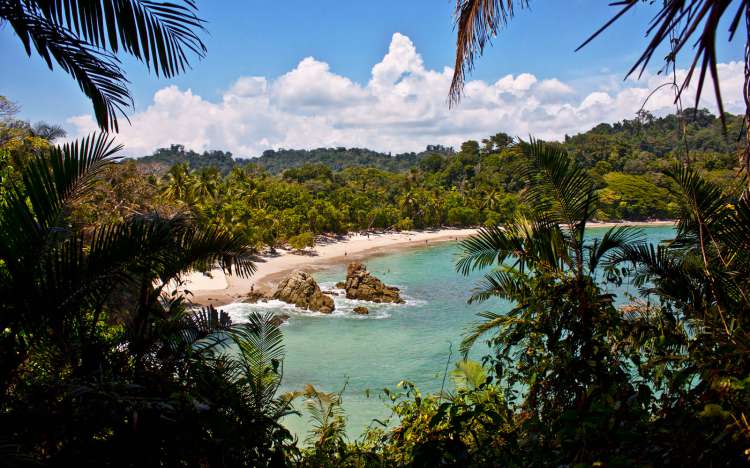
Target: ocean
{"points": [[412, 341]]}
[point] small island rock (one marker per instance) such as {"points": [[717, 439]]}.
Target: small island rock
{"points": [[361, 310], [254, 296], [360, 284], [300, 289], [279, 319]]}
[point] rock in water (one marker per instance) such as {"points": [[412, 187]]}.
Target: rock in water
{"points": [[279, 319], [360, 284], [361, 310], [300, 289], [254, 296]]}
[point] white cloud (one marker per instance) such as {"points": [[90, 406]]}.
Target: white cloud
{"points": [[403, 107]]}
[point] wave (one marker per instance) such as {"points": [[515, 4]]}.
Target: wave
{"points": [[344, 307]]}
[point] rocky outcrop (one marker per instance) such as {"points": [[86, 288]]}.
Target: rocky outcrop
{"points": [[279, 319], [300, 289], [361, 310], [255, 296], [360, 284], [341, 285]]}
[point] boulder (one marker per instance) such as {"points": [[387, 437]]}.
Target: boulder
{"points": [[361, 310], [341, 285], [300, 289], [331, 293], [255, 296], [360, 284], [279, 319]]}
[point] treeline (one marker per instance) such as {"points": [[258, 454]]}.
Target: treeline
{"points": [[277, 161], [478, 185]]}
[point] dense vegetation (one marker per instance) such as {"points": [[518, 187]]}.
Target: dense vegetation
{"points": [[276, 162], [100, 365], [90, 371], [478, 185]]}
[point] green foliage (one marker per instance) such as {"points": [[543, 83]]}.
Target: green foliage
{"points": [[340, 190], [83, 38], [300, 241], [635, 197], [89, 370]]}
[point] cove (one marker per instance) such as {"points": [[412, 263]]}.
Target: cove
{"points": [[411, 341]]}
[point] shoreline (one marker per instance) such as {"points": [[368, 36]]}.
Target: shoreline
{"points": [[218, 289]]}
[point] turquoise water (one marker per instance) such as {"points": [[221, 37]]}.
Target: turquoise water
{"points": [[409, 341]]}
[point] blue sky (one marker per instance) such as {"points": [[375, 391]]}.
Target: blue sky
{"points": [[270, 39]]}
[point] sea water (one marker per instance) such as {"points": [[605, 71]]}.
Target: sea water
{"points": [[415, 341]]}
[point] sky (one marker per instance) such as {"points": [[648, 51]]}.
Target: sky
{"points": [[301, 74]]}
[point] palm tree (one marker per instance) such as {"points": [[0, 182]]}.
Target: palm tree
{"points": [[704, 272], [696, 334], [179, 185], [559, 328], [84, 37], [57, 282]]}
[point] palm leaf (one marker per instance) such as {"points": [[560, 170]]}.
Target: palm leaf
{"points": [[83, 36], [491, 322], [611, 243], [677, 23], [557, 188], [477, 22]]}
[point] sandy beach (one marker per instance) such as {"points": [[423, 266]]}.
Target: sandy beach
{"points": [[215, 288]]}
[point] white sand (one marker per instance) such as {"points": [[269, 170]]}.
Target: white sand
{"points": [[220, 289]]}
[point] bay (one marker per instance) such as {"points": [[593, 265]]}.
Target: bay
{"points": [[413, 341]]}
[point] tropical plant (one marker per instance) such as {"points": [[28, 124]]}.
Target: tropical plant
{"points": [[554, 347], [700, 281], [87, 319], [84, 38]]}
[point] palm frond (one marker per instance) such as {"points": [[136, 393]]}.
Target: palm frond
{"points": [[96, 71], [477, 22], [678, 23], [506, 283], [489, 246], [31, 216], [261, 350], [705, 202], [539, 243], [492, 321], [160, 34], [557, 188], [83, 38], [611, 243]]}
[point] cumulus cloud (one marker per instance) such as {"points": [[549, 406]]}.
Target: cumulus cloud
{"points": [[403, 107]]}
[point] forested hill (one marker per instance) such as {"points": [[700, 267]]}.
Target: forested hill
{"points": [[631, 146], [277, 161]]}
